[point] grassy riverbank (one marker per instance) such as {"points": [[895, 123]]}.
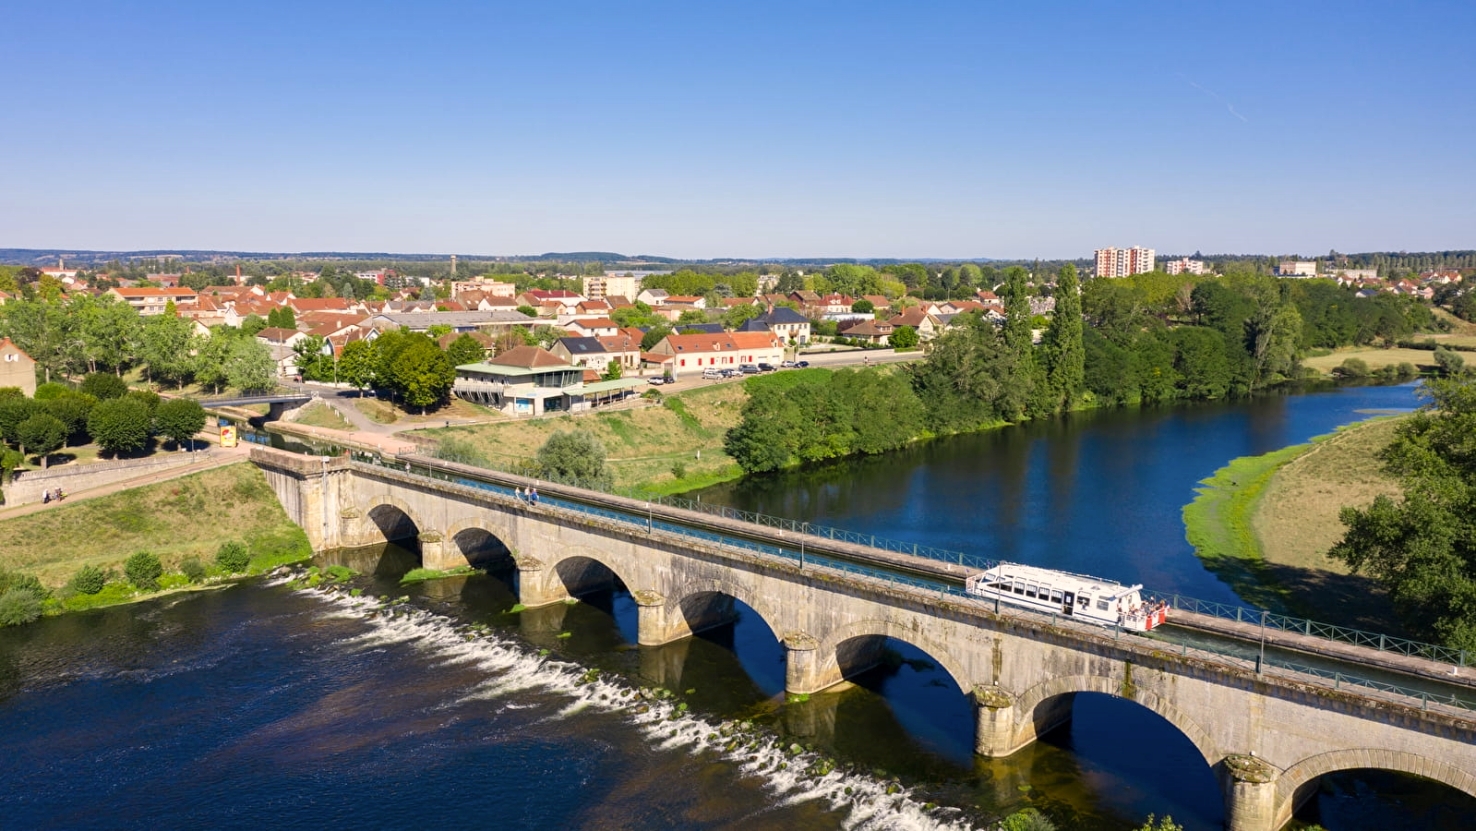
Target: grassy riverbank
{"points": [[1264, 523], [184, 517]]}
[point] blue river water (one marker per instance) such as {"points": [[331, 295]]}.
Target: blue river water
{"points": [[260, 705]]}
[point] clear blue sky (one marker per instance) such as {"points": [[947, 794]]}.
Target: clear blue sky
{"points": [[703, 129]]}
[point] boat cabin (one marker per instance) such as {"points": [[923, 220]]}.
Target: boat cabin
{"points": [[1090, 599]]}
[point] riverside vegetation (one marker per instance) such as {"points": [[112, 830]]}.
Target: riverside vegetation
{"points": [[190, 531], [1146, 339]]}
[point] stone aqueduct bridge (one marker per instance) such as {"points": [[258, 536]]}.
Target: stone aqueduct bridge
{"points": [[1267, 736]]}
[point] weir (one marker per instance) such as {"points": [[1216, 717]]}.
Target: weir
{"points": [[1267, 735]]}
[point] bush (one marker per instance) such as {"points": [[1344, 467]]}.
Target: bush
{"points": [[460, 452], [50, 390], [89, 579], [1028, 819], [576, 458], [23, 582], [103, 386], [233, 557], [18, 606], [679, 470], [1352, 368], [193, 569], [144, 570], [1449, 362]]}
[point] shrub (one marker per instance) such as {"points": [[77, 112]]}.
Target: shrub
{"points": [[233, 557], [461, 452], [144, 570], [1352, 368], [193, 569], [1027, 820], [18, 606], [679, 470], [102, 386], [50, 390], [1449, 362], [23, 582], [89, 579]]}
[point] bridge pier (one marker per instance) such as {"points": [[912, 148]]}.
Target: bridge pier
{"points": [[802, 664], [535, 588], [436, 554], [1249, 786]]}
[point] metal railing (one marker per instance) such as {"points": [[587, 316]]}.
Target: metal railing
{"points": [[650, 524]]}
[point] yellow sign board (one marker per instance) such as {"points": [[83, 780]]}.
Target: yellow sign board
{"points": [[228, 436]]}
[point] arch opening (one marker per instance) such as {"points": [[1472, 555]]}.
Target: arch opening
{"points": [[1366, 787], [604, 619], [900, 707], [483, 550], [1133, 760], [394, 524], [734, 659]]}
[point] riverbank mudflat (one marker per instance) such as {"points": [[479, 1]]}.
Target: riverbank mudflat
{"points": [[1263, 524]]}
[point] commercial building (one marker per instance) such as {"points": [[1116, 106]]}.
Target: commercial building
{"points": [[529, 381], [1124, 262]]}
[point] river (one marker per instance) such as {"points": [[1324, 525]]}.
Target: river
{"points": [[262, 705]]}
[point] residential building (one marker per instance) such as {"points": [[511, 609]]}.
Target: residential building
{"points": [[1184, 265], [873, 332], [599, 287], [458, 321], [624, 349], [17, 369], [920, 318], [582, 351], [694, 353], [1356, 275], [592, 327], [1124, 262], [1297, 268], [491, 288], [153, 301], [651, 297], [783, 321]]}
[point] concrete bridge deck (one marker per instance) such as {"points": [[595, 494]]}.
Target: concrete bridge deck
{"points": [[1268, 735]]}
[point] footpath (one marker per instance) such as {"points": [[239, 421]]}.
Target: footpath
{"points": [[209, 460]]}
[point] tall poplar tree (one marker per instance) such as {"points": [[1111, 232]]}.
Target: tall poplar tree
{"points": [[1065, 355], [1019, 343]]}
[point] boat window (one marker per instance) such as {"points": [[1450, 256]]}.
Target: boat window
{"points": [[1101, 604], [1030, 590], [1055, 595], [1019, 587], [1083, 601]]}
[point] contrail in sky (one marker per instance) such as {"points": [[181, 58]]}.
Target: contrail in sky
{"points": [[1211, 93]]}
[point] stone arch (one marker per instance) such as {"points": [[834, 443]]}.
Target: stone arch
{"points": [[579, 570], [680, 604], [1044, 693], [1297, 782], [379, 524], [460, 538], [830, 649]]}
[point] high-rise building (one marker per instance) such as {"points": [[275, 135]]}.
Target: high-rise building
{"points": [[601, 286], [1122, 262], [1184, 265]]}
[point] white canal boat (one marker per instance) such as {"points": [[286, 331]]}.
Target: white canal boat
{"points": [[1088, 599]]}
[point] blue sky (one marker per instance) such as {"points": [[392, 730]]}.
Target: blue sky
{"points": [[967, 129]]}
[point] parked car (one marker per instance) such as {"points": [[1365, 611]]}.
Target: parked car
{"points": [[656, 379], [767, 367], [802, 364], [787, 364], [731, 372], [712, 373], [749, 369]]}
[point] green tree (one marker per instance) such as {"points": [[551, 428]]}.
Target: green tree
{"points": [[1019, 342], [735, 317], [865, 307], [165, 348], [143, 570], [528, 311], [613, 371], [575, 457], [249, 366], [1422, 548], [459, 451], [312, 363], [691, 317], [465, 350], [423, 374], [43, 435], [1449, 362], [13, 412], [1200, 359], [1062, 348], [967, 379], [211, 356], [88, 580], [102, 386], [653, 336], [120, 425], [233, 557], [179, 419], [282, 317], [356, 364], [904, 337], [50, 390]]}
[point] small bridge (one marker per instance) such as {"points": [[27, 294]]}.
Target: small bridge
{"points": [[1268, 735], [278, 402]]}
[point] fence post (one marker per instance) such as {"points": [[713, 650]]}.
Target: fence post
{"points": [[1307, 627], [1382, 640], [1237, 614], [1463, 658]]}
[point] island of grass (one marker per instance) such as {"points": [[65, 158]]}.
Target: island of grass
{"points": [[1264, 524], [183, 524]]}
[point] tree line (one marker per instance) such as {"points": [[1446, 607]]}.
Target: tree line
{"points": [[1115, 342]]}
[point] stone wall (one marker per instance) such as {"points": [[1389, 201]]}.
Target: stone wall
{"points": [[74, 478]]}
